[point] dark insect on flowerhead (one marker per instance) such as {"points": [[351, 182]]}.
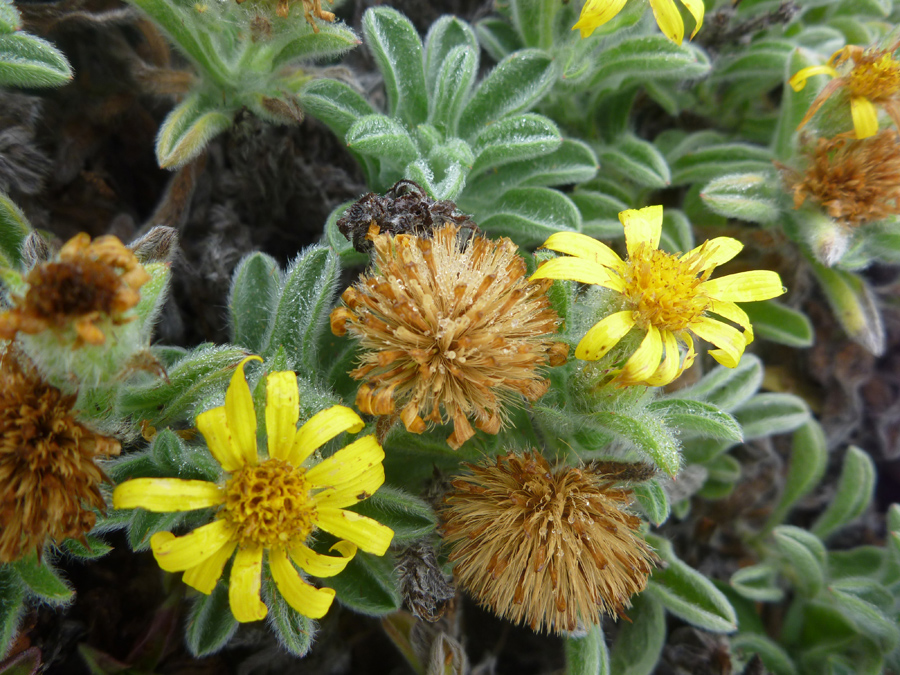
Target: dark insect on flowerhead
{"points": [[404, 209]]}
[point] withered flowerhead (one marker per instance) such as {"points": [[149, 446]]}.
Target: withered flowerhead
{"points": [[86, 283], [48, 479], [311, 9], [451, 329], [545, 547], [855, 181]]}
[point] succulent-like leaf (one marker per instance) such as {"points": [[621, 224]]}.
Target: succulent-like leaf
{"points": [[588, 655], [804, 554], [254, 292], [809, 459], [383, 137], [529, 216], [855, 490], [294, 631], [758, 583], [745, 196], [697, 417], [188, 128], [854, 305], [778, 323], [42, 580], [514, 139], [334, 102], [653, 501], [639, 641], [368, 585], [637, 160], [408, 516], [210, 624], [14, 229], [12, 607], [29, 61], [771, 413]]}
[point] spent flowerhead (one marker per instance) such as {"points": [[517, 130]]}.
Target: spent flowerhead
{"points": [[269, 505], [869, 76], [666, 296], [450, 328], [49, 481], [542, 546], [89, 286], [595, 13], [855, 181]]}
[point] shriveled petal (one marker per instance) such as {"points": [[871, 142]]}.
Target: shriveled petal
{"points": [[604, 335], [715, 252], [243, 586], [645, 360], [696, 8], [176, 554], [241, 415], [370, 535], [282, 412], [321, 428], [596, 13], [578, 269], [798, 80], [206, 575], [353, 491], [744, 286], [583, 246], [691, 354], [308, 600], [865, 116], [731, 341], [669, 369], [213, 424], [642, 226], [669, 19], [319, 565], [347, 463], [167, 495]]}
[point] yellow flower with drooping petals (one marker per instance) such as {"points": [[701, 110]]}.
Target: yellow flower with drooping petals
{"points": [[873, 78], [268, 505], [668, 296], [595, 13]]}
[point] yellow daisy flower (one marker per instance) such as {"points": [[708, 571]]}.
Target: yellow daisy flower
{"points": [[873, 78], [268, 504], [595, 13], [668, 296]]}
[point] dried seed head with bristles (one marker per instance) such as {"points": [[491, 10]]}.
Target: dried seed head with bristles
{"points": [[450, 328], [549, 548]]}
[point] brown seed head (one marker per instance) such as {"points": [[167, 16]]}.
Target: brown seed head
{"points": [[855, 181], [545, 547], [451, 329], [85, 283], [48, 479]]}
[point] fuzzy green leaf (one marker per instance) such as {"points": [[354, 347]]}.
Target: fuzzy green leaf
{"points": [[334, 102], [588, 655], [29, 61], [862, 561], [804, 554], [727, 388], [174, 458], [295, 632], [188, 128], [794, 104], [498, 38], [12, 607], [809, 459], [647, 433], [758, 583], [637, 160], [452, 85], [529, 216], [394, 43], [516, 84], [778, 323], [514, 139], [42, 580], [408, 516], [382, 137], [688, 594], [328, 42], [638, 59], [772, 413], [773, 655], [653, 501], [639, 642], [854, 305], [96, 548], [254, 292], [534, 22], [872, 621], [10, 21], [765, 59], [677, 234], [855, 490], [210, 624], [14, 229], [600, 213], [368, 585], [710, 162], [744, 196], [723, 469], [145, 524], [444, 36], [697, 417]]}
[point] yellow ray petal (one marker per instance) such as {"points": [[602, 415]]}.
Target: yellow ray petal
{"points": [[308, 600], [691, 354], [370, 535], [798, 80], [243, 586], [583, 246], [669, 369], [865, 116], [730, 340], [578, 269], [596, 13], [282, 412], [744, 286], [213, 424], [176, 554], [714, 252], [604, 335], [167, 495], [241, 415], [321, 428], [319, 565], [354, 491], [347, 463], [206, 575], [732, 312], [642, 226], [669, 19], [646, 359], [696, 8]]}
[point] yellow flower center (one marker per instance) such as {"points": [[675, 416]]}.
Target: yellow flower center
{"points": [[874, 78], [662, 289], [269, 504]]}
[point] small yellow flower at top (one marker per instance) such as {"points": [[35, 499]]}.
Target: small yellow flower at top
{"points": [[595, 13], [666, 295], [268, 504], [874, 77]]}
